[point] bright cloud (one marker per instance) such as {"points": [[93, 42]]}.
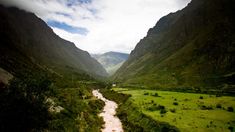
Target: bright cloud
{"points": [[100, 25]]}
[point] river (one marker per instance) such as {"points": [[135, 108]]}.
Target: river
{"points": [[112, 122]]}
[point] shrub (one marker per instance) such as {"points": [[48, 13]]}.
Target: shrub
{"points": [[218, 106], [175, 103], [155, 107], [156, 95], [23, 104], [146, 93], [203, 107], [230, 109], [161, 107], [231, 128], [163, 111], [173, 110]]}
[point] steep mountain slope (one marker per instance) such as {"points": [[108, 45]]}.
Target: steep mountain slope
{"points": [[111, 61], [27, 42], [194, 47]]}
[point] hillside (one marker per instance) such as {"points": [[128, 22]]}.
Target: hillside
{"points": [[193, 47], [50, 78], [27, 42], [111, 61]]}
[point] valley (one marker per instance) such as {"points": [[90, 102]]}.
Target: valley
{"points": [[180, 76], [111, 61]]}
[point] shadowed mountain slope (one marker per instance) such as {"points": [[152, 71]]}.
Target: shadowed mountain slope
{"points": [[27, 42], [193, 47]]}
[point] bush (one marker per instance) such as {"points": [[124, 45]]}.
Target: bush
{"points": [[156, 107], [203, 107], [23, 106], [175, 103], [146, 93], [173, 110], [163, 111], [231, 129], [156, 95], [218, 106], [230, 109], [161, 107]]}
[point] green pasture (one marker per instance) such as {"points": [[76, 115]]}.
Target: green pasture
{"points": [[187, 111]]}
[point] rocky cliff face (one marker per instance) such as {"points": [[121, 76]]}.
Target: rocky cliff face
{"points": [[191, 47], [26, 41]]}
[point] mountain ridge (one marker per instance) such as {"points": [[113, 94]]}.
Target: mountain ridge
{"points": [[111, 60], [41, 46], [192, 47]]}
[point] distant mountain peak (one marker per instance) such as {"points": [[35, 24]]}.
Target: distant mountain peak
{"points": [[111, 61]]}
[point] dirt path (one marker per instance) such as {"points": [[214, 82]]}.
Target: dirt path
{"points": [[112, 123]]}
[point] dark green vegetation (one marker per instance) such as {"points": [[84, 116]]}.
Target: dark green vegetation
{"points": [[52, 79], [81, 110], [111, 61], [27, 42], [187, 111], [132, 118], [22, 103], [192, 48]]}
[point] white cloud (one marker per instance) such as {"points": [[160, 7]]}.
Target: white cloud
{"points": [[116, 25]]}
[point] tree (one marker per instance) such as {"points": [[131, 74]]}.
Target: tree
{"points": [[22, 104]]}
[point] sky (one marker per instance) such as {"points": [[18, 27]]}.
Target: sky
{"points": [[99, 26]]}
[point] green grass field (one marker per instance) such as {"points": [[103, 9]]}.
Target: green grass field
{"points": [[187, 111]]}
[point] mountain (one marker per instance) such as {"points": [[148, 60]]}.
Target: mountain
{"points": [[193, 47], [111, 61], [27, 42]]}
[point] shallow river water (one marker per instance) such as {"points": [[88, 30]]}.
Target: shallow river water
{"points": [[112, 122]]}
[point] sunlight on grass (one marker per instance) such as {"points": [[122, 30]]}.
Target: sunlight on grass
{"points": [[187, 111]]}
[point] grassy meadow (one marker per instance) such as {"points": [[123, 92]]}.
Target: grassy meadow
{"points": [[187, 111]]}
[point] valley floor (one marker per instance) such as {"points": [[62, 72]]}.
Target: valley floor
{"points": [[112, 123], [186, 111]]}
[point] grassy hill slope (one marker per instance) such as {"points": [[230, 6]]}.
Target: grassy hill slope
{"points": [[27, 41], [193, 47]]}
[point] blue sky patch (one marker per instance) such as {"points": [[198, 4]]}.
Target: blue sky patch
{"points": [[76, 2], [68, 28], [63, 14]]}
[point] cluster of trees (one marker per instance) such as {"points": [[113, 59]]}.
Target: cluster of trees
{"points": [[23, 104]]}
